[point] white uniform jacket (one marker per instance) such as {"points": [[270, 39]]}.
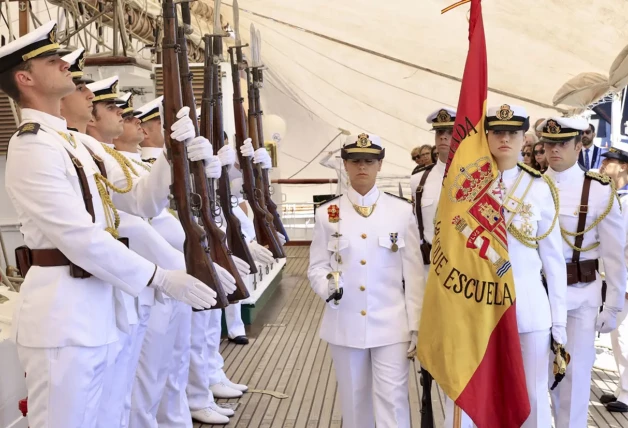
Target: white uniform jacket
{"points": [[431, 196], [536, 309], [376, 309], [610, 233], [148, 196], [165, 223], [55, 309]]}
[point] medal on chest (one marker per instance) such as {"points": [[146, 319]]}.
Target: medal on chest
{"points": [[393, 238], [333, 213]]}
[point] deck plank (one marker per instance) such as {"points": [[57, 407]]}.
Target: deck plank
{"points": [[287, 356]]}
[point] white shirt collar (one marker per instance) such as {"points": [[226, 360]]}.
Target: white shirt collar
{"points": [[54, 122], [367, 200], [151, 152], [569, 174], [511, 173]]}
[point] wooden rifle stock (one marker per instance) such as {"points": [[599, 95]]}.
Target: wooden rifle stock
{"points": [[270, 204], [235, 237], [197, 258], [215, 238], [270, 239]]}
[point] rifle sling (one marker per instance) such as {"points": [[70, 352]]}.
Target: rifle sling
{"points": [[418, 198], [582, 218]]}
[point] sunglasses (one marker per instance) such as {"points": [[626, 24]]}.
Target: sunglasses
{"points": [[539, 152], [415, 157], [588, 131], [526, 154]]}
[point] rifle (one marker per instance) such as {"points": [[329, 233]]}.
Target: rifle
{"points": [[235, 237], [198, 262], [258, 82], [215, 237], [427, 415], [264, 231]]}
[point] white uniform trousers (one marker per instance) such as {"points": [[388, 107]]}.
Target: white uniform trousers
{"points": [[204, 349], [570, 399], [154, 362], [619, 339], [373, 385], [64, 384], [120, 373], [136, 348], [174, 410], [535, 351], [233, 317]]}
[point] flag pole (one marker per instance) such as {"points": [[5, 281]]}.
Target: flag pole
{"points": [[457, 416]]}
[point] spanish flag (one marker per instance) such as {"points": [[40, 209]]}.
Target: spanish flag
{"points": [[468, 336]]}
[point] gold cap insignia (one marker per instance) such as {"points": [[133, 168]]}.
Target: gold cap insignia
{"points": [[363, 140], [505, 113], [53, 34], [81, 62], [114, 88], [130, 101], [553, 127], [443, 116]]}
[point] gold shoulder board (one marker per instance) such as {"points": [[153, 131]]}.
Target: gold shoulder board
{"points": [[604, 179], [533, 172]]}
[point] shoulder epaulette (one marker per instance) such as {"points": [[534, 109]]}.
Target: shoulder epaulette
{"points": [[423, 168], [604, 179], [533, 172], [399, 197], [28, 128], [333, 198]]}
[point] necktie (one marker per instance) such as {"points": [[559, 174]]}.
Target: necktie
{"points": [[586, 160]]}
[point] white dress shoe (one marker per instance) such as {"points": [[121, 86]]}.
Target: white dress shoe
{"points": [[209, 416], [236, 386], [222, 410], [220, 390]]}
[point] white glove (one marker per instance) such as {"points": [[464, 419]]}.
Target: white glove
{"points": [[413, 341], [183, 128], [260, 253], [184, 288], [247, 148], [243, 267], [226, 280], [227, 155], [559, 333], [199, 148], [262, 157], [607, 320], [213, 168], [282, 239]]}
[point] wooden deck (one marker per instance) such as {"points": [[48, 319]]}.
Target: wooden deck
{"points": [[286, 356]]}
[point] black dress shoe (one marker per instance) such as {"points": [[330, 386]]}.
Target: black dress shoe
{"points": [[617, 406], [240, 340], [608, 398]]}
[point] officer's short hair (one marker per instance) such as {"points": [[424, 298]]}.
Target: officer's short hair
{"points": [[8, 84]]}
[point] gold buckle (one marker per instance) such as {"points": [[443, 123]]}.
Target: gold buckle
{"points": [[76, 163]]}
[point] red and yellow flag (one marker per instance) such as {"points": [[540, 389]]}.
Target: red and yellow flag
{"points": [[468, 336]]}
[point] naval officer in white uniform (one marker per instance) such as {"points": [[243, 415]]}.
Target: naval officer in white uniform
{"points": [[65, 322], [373, 310], [592, 228], [429, 180], [615, 165], [529, 202]]}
